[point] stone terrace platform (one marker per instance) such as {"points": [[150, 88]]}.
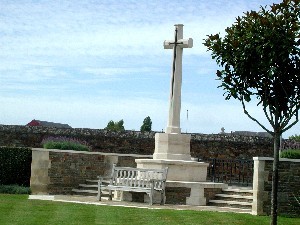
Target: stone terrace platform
{"points": [[93, 201]]}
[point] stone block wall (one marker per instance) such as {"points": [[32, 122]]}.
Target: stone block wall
{"points": [[203, 146], [68, 170], [59, 171], [288, 190]]}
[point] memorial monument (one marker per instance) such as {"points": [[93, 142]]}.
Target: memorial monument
{"points": [[172, 148]]}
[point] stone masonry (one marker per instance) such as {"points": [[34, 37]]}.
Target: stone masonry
{"points": [[135, 142], [288, 189], [59, 171]]}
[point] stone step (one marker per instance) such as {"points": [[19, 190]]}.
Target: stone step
{"points": [[84, 191], [89, 188], [243, 192], [230, 202], [88, 191], [239, 198], [234, 204], [96, 181], [88, 185], [239, 190]]}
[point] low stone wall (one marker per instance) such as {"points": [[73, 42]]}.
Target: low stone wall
{"points": [[59, 171], [288, 190], [203, 146]]}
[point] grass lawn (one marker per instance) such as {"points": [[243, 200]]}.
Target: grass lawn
{"points": [[17, 209]]}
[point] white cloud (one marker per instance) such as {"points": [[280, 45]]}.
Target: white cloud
{"points": [[113, 49]]}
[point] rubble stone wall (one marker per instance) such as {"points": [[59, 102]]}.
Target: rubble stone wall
{"points": [[228, 146]]}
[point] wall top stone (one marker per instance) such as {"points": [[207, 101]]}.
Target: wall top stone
{"points": [[124, 134], [271, 159], [136, 142], [91, 153]]}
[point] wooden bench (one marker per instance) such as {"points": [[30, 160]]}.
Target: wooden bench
{"points": [[135, 180]]}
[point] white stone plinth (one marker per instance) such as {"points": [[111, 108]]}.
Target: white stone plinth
{"points": [[179, 170], [172, 146], [197, 190]]}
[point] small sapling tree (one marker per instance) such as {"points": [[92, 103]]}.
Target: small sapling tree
{"points": [[260, 58]]}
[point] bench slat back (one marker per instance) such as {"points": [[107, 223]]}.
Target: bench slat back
{"points": [[138, 177]]}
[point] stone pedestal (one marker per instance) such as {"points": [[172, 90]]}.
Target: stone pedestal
{"points": [[172, 146], [179, 170], [173, 151]]}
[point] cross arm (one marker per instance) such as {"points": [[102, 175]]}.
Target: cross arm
{"points": [[182, 43]]}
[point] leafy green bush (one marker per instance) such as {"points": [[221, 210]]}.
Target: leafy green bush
{"points": [[14, 189], [64, 143], [291, 154], [15, 164]]}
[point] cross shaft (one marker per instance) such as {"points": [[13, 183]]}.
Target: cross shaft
{"points": [[176, 78]]}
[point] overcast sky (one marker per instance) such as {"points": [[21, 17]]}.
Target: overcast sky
{"points": [[87, 62]]}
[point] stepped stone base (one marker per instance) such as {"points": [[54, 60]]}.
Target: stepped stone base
{"points": [[193, 192], [179, 170]]}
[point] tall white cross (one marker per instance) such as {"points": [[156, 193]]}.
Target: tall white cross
{"points": [[176, 78]]}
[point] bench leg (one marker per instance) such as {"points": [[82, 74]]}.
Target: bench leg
{"points": [[163, 197], [151, 198], [151, 194], [99, 191], [110, 195]]}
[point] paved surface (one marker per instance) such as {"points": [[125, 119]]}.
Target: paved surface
{"points": [[94, 201]]}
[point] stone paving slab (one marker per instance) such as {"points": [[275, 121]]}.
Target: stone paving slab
{"points": [[93, 201]]}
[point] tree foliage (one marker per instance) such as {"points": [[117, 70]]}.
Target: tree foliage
{"points": [[147, 125], [295, 137], [260, 58], [115, 126]]}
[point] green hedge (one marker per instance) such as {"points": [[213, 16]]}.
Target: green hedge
{"points": [[291, 154], [14, 189], [15, 166]]}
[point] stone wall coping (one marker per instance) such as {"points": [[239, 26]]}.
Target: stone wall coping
{"points": [[91, 153], [172, 162], [271, 159]]}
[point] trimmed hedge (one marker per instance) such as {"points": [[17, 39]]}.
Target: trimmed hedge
{"points": [[291, 154], [14, 189], [15, 166]]}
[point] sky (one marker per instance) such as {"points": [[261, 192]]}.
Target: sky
{"points": [[87, 62]]}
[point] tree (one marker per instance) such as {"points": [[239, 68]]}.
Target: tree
{"points": [[147, 125], [259, 57], [295, 137], [115, 126]]}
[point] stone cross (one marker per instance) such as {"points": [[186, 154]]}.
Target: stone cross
{"points": [[176, 78]]}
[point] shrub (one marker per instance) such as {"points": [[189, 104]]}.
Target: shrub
{"points": [[15, 166], [291, 154], [14, 189], [64, 143]]}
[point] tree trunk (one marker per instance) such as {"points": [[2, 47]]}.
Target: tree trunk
{"points": [[274, 199]]}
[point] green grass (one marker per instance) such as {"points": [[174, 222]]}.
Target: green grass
{"points": [[17, 209], [290, 154]]}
